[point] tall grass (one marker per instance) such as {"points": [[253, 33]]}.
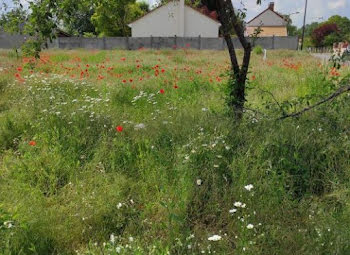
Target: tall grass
{"points": [[179, 171]]}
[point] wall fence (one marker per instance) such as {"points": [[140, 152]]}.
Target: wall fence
{"points": [[131, 43]]}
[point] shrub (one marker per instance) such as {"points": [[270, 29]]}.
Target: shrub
{"points": [[258, 50]]}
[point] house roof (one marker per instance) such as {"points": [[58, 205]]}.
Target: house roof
{"points": [[273, 24], [160, 6], [61, 33]]}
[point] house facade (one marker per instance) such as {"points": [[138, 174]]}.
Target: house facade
{"points": [[175, 19], [271, 23]]}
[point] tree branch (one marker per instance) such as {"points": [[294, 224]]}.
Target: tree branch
{"points": [[273, 97], [340, 91]]}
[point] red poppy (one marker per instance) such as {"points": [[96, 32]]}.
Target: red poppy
{"points": [[119, 129], [161, 91], [124, 81], [32, 143], [175, 86], [163, 71], [253, 77], [131, 80], [19, 69]]}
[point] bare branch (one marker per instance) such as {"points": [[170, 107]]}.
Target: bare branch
{"points": [[273, 97], [339, 92]]}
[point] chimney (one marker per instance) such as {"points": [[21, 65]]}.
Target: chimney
{"points": [[272, 6]]}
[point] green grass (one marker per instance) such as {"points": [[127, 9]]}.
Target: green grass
{"points": [[83, 181]]}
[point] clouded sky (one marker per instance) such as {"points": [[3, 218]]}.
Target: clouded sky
{"points": [[317, 9]]}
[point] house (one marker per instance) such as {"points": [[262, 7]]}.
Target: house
{"points": [[271, 23], [176, 19], [61, 33]]}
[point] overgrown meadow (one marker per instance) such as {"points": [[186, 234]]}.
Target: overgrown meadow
{"points": [[135, 152]]}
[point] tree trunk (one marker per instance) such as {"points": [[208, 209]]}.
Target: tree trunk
{"points": [[228, 19]]}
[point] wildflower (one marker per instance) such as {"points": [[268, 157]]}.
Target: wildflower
{"points": [[249, 187], [19, 69], [119, 129], [199, 182], [214, 238], [250, 226], [118, 249], [161, 91], [32, 143], [119, 205], [112, 238], [139, 126], [175, 86], [8, 224], [232, 211], [131, 239], [238, 204]]}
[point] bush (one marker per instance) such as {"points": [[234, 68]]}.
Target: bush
{"points": [[258, 50], [31, 48]]}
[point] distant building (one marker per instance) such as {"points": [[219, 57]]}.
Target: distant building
{"points": [[271, 23], [176, 19], [61, 33]]}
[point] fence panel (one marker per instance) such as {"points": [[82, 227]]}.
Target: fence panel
{"points": [[131, 43]]}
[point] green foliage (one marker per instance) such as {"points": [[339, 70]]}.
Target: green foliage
{"points": [[111, 18], [343, 24], [258, 50], [13, 21], [31, 48]]}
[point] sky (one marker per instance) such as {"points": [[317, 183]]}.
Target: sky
{"points": [[318, 10]]}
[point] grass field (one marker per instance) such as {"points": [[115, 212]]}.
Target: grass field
{"points": [[119, 152]]}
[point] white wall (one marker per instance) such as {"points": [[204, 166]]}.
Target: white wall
{"points": [[197, 24], [162, 22]]}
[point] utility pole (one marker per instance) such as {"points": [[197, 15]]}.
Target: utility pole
{"points": [[302, 39]]}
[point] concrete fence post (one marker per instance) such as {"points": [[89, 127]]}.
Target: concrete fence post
{"points": [[104, 43], [273, 42], [80, 42], [127, 43], [175, 41], [199, 42], [151, 42], [223, 43], [58, 43]]}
